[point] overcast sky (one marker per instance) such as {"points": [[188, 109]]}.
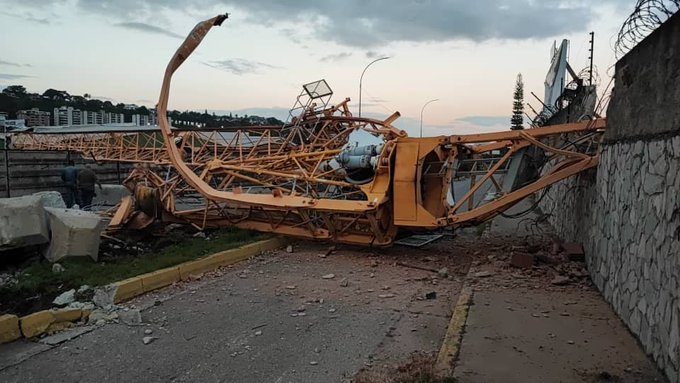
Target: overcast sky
{"points": [[465, 53]]}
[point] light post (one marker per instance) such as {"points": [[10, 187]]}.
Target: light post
{"points": [[421, 115], [361, 79]]}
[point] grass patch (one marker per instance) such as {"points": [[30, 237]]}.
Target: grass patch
{"points": [[37, 285]]}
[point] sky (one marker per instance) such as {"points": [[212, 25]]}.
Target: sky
{"points": [[464, 53]]}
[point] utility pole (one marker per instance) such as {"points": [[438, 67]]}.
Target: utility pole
{"points": [[592, 50]]}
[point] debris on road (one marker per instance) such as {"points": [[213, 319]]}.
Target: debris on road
{"points": [[560, 280], [483, 274], [417, 267], [130, 317], [328, 276], [522, 260], [289, 249], [148, 339], [344, 282]]}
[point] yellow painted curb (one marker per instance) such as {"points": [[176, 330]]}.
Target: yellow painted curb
{"points": [[67, 315], [144, 283], [9, 328], [36, 323], [451, 346], [159, 278], [128, 288]]}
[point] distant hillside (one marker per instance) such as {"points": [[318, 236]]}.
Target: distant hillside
{"points": [[15, 98]]}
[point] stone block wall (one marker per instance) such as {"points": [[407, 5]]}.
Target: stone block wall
{"points": [[627, 213]]}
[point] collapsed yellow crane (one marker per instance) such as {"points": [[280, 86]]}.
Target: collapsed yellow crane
{"points": [[326, 174]]}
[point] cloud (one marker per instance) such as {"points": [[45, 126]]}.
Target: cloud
{"points": [[368, 24], [374, 54], [337, 57], [240, 67], [28, 16], [485, 120], [143, 27], [9, 76], [8, 63]]}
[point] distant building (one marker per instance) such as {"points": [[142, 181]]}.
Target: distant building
{"points": [[63, 116], [92, 118], [35, 117], [130, 106], [140, 119], [113, 118]]}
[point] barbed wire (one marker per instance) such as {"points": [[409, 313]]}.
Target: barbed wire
{"points": [[646, 17]]}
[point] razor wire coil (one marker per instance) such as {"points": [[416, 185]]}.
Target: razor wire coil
{"points": [[645, 18]]}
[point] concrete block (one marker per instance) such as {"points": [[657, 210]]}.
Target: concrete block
{"points": [[75, 233], [128, 288], [37, 323], [160, 278], [22, 222], [51, 199], [9, 328], [110, 195]]}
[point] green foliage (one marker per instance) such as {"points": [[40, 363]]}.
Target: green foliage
{"points": [[517, 119], [15, 98]]}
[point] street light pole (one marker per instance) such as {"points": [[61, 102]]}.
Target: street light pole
{"points": [[421, 115], [361, 79], [5, 147]]}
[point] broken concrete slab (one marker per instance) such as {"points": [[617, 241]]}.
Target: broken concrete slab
{"points": [[130, 317], [64, 336], [22, 222], [110, 195], [104, 296], [65, 298], [75, 233]]}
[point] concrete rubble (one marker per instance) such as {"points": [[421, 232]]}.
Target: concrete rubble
{"points": [[22, 222], [65, 298], [75, 233]]}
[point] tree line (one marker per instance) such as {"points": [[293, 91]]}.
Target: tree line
{"points": [[15, 98]]}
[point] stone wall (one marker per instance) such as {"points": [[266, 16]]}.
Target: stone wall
{"points": [[36, 171], [629, 223], [627, 212]]}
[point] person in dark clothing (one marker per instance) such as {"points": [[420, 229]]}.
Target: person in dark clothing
{"points": [[69, 175], [86, 181]]}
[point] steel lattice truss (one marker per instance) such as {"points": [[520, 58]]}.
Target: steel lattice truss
{"points": [[308, 179]]}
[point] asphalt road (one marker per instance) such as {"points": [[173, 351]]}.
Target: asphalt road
{"points": [[272, 319]]}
